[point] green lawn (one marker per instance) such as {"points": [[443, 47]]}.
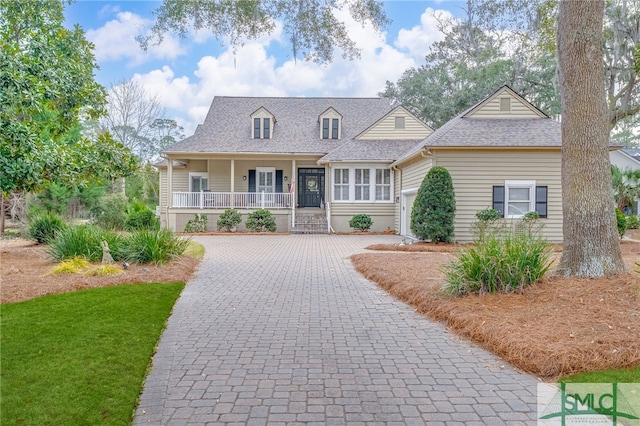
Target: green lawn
{"points": [[80, 358]]}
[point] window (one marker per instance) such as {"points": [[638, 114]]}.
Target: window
{"points": [[261, 128], [266, 128], [383, 184], [341, 184], [332, 124], [399, 123], [198, 181], [362, 184], [517, 198]]}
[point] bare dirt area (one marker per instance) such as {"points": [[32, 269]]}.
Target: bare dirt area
{"points": [[25, 273], [557, 327]]}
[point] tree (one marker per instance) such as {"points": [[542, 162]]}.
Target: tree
{"points": [[591, 245], [134, 118], [471, 62], [46, 83], [434, 208], [312, 27]]}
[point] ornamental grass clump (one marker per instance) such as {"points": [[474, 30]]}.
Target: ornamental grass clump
{"points": [[154, 245], [85, 241], [498, 265], [45, 226]]}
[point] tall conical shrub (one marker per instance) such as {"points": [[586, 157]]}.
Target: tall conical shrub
{"points": [[434, 208]]}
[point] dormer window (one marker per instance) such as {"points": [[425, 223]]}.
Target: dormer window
{"points": [[262, 128], [262, 124], [330, 124]]}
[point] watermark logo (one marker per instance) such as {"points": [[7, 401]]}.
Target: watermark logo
{"points": [[588, 404]]}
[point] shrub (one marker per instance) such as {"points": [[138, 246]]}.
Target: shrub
{"points": [[435, 207], [85, 241], [153, 245], [260, 221], [111, 212], [197, 224], [621, 220], [229, 219], [44, 227], [103, 270], [361, 222], [498, 265], [142, 219], [71, 266], [487, 221], [633, 221]]}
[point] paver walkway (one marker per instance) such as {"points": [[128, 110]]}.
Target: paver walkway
{"points": [[282, 330]]}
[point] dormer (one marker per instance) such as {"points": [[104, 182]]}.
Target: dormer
{"points": [[330, 124], [262, 124]]}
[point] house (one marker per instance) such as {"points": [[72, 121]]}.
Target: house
{"points": [[316, 162], [627, 159], [313, 162], [502, 153]]}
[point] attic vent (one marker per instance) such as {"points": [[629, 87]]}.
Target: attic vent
{"points": [[505, 104], [399, 122]]}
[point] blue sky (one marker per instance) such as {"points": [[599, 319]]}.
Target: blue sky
{"points": [[186, 74]]}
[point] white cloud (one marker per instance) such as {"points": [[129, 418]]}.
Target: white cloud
{"points": [[254, 71], [417, 40], [116, 40]]}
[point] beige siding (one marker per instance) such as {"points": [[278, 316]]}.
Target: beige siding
{"points": [[242, 168], [474, 174], [382, 215], [413, 173], [385, 128], [220, 175], [397, 195], [518, 108]]}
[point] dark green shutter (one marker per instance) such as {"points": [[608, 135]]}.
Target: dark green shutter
{"points": [[278, 180], [252, 181], [498, 199], [541, 200]]}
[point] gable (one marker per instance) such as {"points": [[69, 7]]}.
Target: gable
{"points": [[505, 103], [399, 124]]}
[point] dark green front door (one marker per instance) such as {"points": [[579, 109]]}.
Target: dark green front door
{"points": [[310, 187]]}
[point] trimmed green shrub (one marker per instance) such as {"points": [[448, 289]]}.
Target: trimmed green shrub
{"points": [[260, 221], [85, 241], [633, 221], [153, 245], [621, 220], [498, 265], [434, 208], [361, 222], [111, 212], [197, 224], [142, 219], [487, 221], [44, 227], [229, 219]]}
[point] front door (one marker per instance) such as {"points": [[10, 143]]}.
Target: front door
{"points": [[310, 187]]}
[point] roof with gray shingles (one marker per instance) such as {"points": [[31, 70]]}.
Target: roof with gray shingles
{"points": [[632, 152], [369, 150], [228, 128], [492, 133]]}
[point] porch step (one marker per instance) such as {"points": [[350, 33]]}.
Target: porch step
{"points": [[310, 223]]}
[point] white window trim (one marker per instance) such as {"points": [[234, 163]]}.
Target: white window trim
{"points": [[530, 184], [261, 117], [197, 174], [372, 184]]}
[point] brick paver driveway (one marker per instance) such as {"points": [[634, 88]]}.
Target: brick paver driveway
{"points": [[280, 329]]}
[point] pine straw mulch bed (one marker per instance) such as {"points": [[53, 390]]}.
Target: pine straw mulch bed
{"points": [[25, 273], [559, 326]]}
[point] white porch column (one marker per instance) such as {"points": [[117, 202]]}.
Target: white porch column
{"points": [[292, 192], [169, 183], [233, 184]]}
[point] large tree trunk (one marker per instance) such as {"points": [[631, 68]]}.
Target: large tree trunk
{"points": [[591, 241]]}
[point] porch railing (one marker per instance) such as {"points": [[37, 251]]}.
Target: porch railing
{"points": [[227, 200]]}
